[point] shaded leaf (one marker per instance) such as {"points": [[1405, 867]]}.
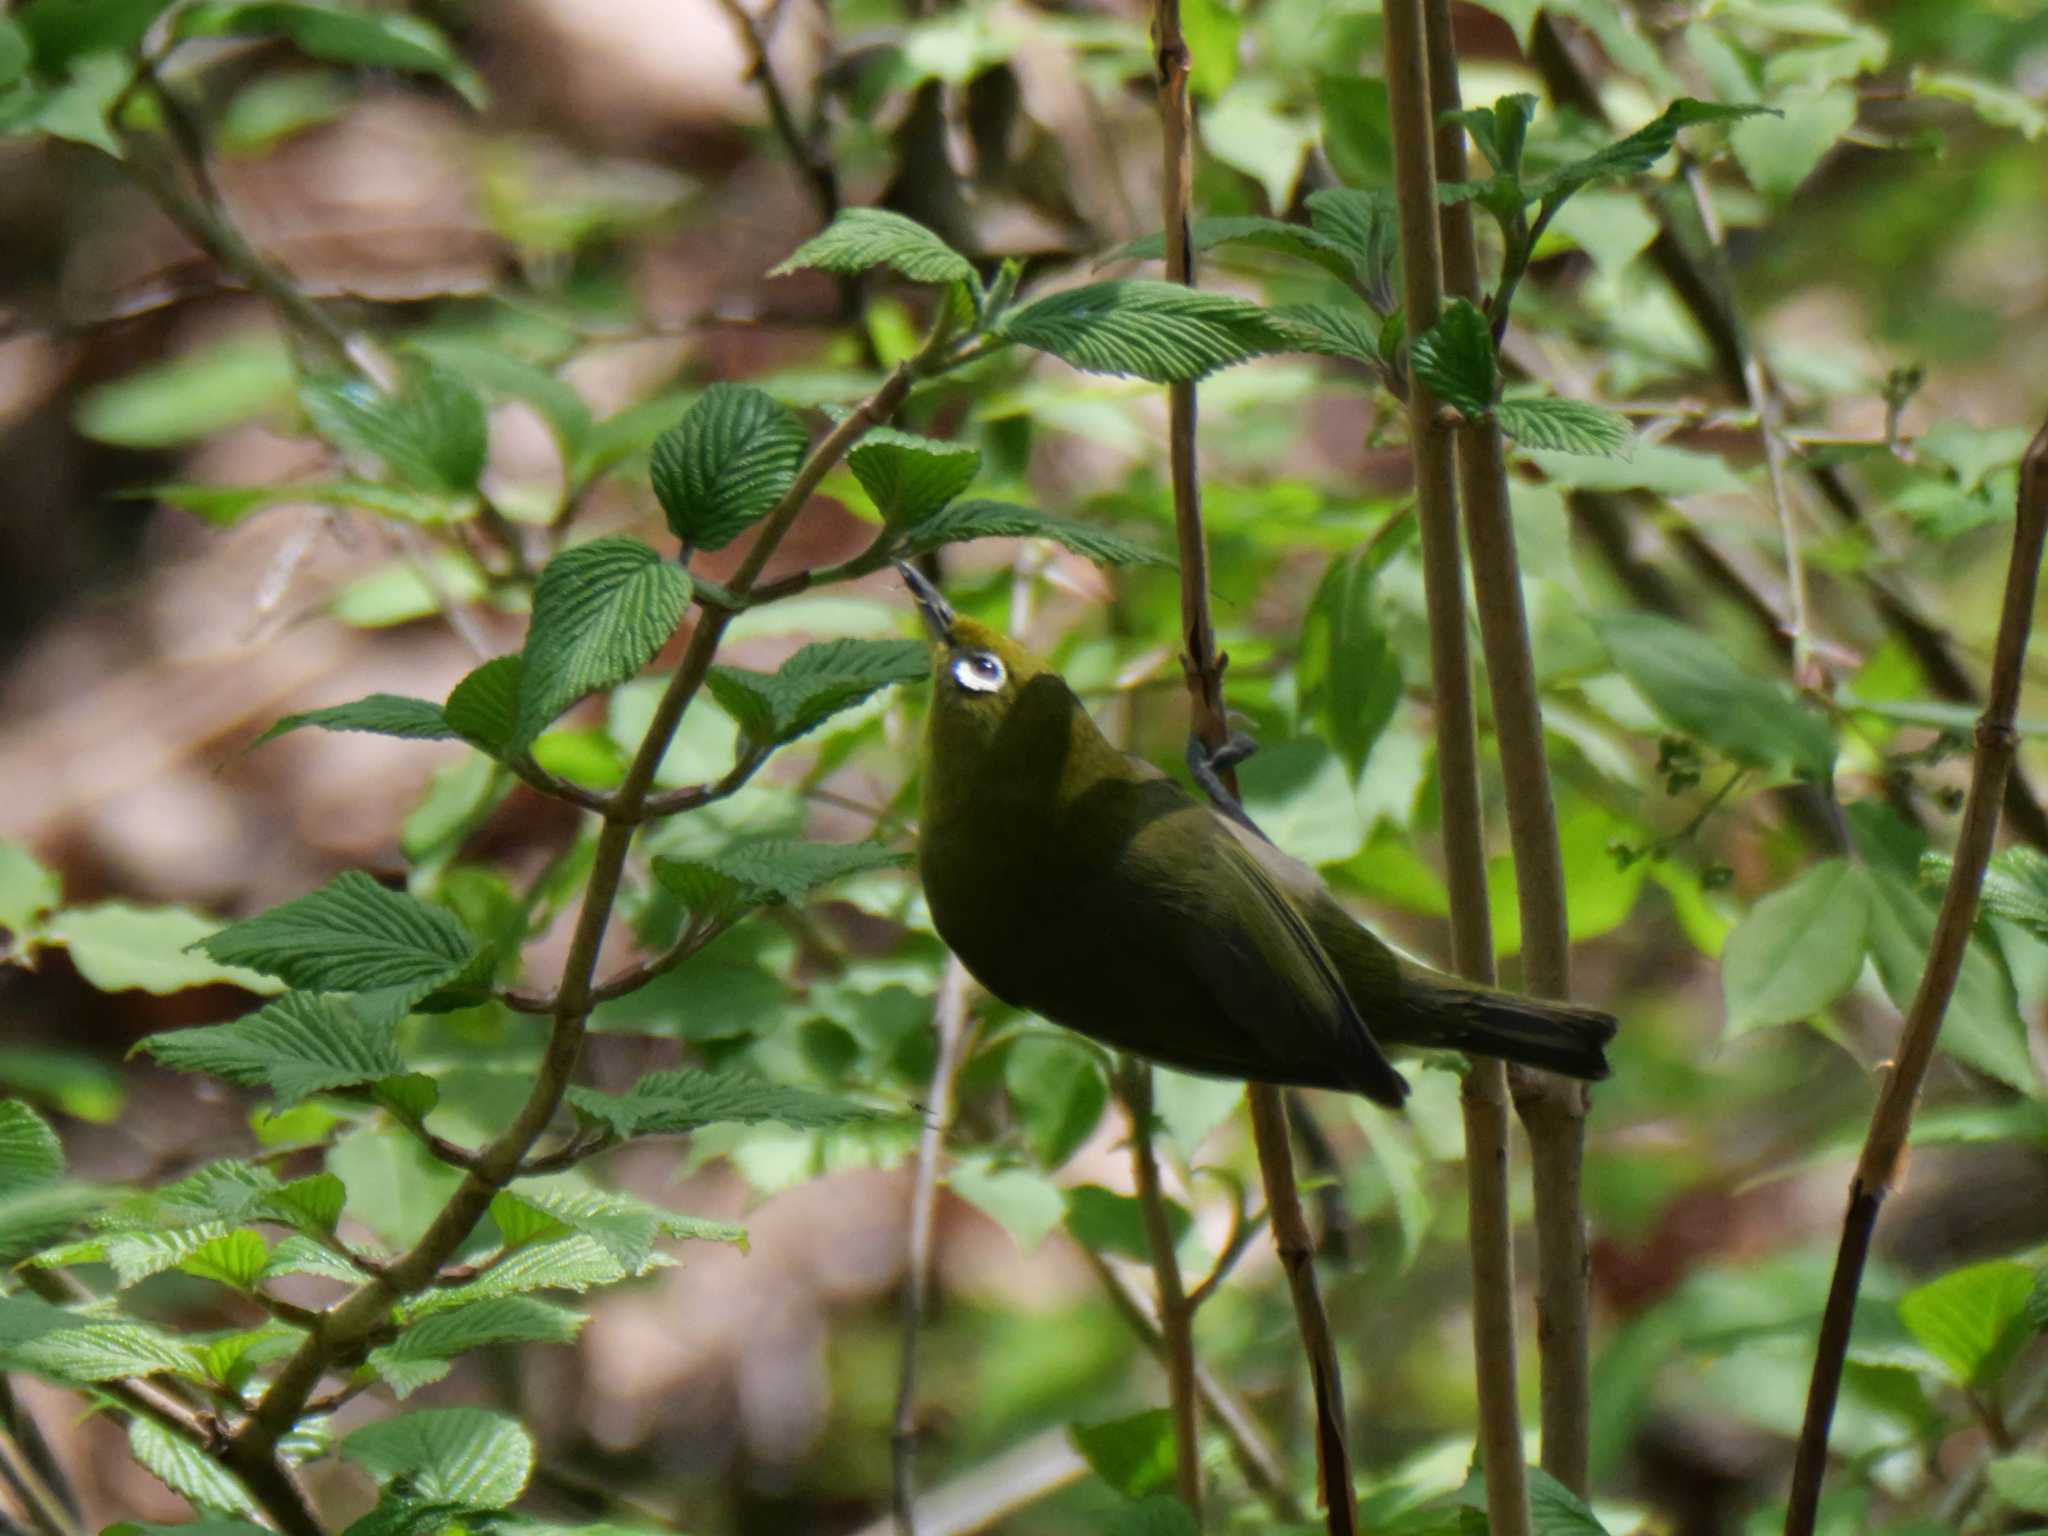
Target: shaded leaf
{"points": [[1350, 676], [1566, 426], [1158, 331], [909, 477], [1641, 149], [1134, 1455], [341, 34], [1111, 1223], [1798, 949], [1454, 358], [1334, 330], [483, 709], [1982, 1025], [979, 519], [1365, 225], [454, 1455], [861, 238], [600, 613], [297, 1046], [719, 470], [187, 1470], [813, 685], [675, 1103], [1301, 240], [430, 433], [381, 714], [30, 1154], [1973, 1320]]}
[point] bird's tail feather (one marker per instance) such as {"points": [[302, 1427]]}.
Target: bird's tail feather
{"points": [[1556, 1037]]}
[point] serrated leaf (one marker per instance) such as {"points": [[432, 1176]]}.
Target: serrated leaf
{"points": [[1365, 225], [1454, 358], [2015, 886], [1498, 130], [456, 1455], [483, 709], [228, 1190], [1058, 1091], [116, 947], [381, 714], [312, 1204], [719, 470], [909, 477], [1163, 332], [600, 613], [625, 1228], [430, 433], [27, 889], [772, 870], [1643, 148], [1333, 330], [510, 377], [30, 1154], [1134, 1455], [980, 519], [1982, 1025], [1159, 1515], [1566, 426], [1111, 1223], [399, 1514], [231, 1360], [422, 1351], [862, 238], [342, 35], [354, 935], [1698, 689], [187, 1470], [676, 1103], [297, 1255], [813, 685], [1973, 1320], [35, 1217], [95, 1352], [1797, 950], [235, 1259], [1300, 240], [574, 1263], [136, 1255], [1350, 675], [298, 1046]]}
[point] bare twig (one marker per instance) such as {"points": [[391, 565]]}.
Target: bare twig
{"points": [[1176, 1317], [38, 1500], [949, 1022], [1553, 1109], [1879, 1168], [1256, 1458], [1485, 1097], [981, 1498], [804, 147]]}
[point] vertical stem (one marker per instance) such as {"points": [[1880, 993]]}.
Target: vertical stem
{"points": [[1176, 1317], [1885, 1144], [1485, 1094], [1203, 666], [1553, 1109], [949, 1020]]}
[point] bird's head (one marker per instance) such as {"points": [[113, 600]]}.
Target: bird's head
{"points": [[987, 690]]}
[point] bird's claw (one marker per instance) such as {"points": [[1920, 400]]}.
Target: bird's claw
{"points": [[1207, 767]]}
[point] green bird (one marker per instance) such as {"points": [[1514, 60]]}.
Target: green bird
{"points": [[1084, 885]]}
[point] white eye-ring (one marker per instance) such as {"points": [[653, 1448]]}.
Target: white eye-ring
{"points": [[978, 672]]}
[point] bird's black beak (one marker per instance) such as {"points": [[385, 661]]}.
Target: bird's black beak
{"points": [[936, 611]]}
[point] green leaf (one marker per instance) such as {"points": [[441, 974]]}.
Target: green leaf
{"points": [[1995, 104], [1454, 358], [381, 714], [600, 613], [1134, 1455], [398, 1513], [861, 238], [1798, 950], [237, 1259], [1365, 225], [187, 1470], [1699, 690], [1022, 1202], [297, 1046], [1350, 676], [1163, 332], [94, 1352], [353, 935], [1113, 1223], [1059, 1091], [909, 478], [298, 1255], [624, 1227], [1554, 1510], [430, 433], [64, 30], [768, 871], [1160, 1515], [1778, 153], [27, 889], [422, 1351], [979, 519], [1566, 426], [1641, 149], [483, 709], [1983, 1025], [2021, 1481], [1333, 330], [573, 1263], [1972, 1320], [117, 947], [718, 470], [342, 35], [226, 505], [2015, 886], [312, 1204], [30, 1153], [35, 1216], [1498, 130], [1358, 134], [501, 374], [1301, 240], [454, 1455], [814, 684], [676, 1103]]}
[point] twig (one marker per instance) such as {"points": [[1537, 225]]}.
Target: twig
{"points": [[21, 1423], [804, 149], [1255, 1456], [1553, 1109], [1202, 664], [1176, 1317], [252, 1451], [1880, 1166], [1485, 1096], [38, 1500], [949, 1021]]}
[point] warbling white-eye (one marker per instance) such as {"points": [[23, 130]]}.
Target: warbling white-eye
{"points": [[1084, 885]]}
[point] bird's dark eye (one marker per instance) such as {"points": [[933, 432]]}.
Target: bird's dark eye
{"points": [[978, 672]]}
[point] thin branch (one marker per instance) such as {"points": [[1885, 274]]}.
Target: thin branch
{"points": [[1176, 1317], [949, 1022], [1553, 1109], [805, 150], [38, 1500], [1879, 1167], [22, 1424], [1256, 1459], [1409, 84]]}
